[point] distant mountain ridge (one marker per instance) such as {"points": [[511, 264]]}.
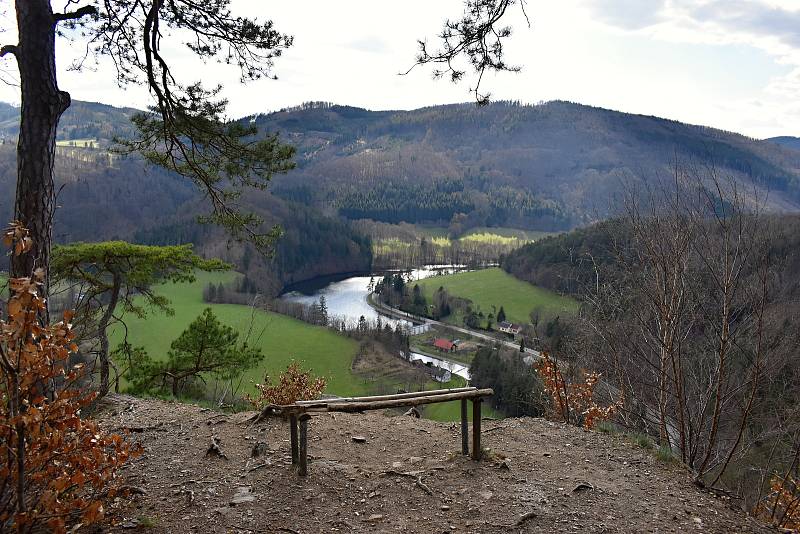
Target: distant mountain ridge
{"points": [[787, 141], [566, 160], [82, 120], [548, 166], [551, 166]]}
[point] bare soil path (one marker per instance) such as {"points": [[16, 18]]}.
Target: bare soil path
{"points": [[407, 476]]}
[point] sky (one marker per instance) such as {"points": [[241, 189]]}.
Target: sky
{"points": [[731, 64]]}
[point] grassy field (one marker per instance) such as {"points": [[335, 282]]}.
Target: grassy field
{"points": [[437, 236], [495, 287], [281, 338], [78, 143], [484, 233], [508, 233]]}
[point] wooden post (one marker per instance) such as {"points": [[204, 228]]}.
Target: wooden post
{"points": [[476, 428], [293, 437], [303, 466], [464, 429]]}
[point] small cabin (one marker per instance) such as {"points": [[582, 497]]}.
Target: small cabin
{"points": [[509, 328]]}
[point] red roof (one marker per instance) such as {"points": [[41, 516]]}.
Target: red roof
{"points": [[443, 344]]}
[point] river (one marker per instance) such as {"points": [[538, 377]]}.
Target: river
{"points": [[347, 298]]}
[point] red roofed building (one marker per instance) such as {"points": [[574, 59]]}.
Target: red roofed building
{"points": [[443, 344]]}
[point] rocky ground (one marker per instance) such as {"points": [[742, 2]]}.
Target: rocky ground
{"points": [[407, 475]]}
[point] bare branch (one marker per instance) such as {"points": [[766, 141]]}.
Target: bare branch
{"points": [[478, 38], [74, 15], [8, 49]]}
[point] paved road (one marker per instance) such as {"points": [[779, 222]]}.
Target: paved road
{"points": [[393, 312]]}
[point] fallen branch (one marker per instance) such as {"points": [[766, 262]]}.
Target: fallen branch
{"points": [[259, 466], [140, 429], [422, 486]]}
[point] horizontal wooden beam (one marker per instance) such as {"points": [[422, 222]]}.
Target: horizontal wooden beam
{"points": [[384, 397], [396, 403]]}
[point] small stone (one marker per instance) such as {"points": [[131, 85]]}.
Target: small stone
{"points": [[259, 449], [374, 494], [359, 439], [242, 496], [415, 459], [445, 507], [374, 518], [486, 495], [413, 412]]}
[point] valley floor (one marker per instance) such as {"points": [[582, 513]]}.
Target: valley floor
{"points": [[539, 477]]}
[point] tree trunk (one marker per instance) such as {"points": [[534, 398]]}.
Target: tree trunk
{"points": [[42, 106], [103, 334]]}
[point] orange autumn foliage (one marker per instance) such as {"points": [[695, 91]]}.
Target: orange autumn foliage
{"points": [[573, 402], [56, 468], [781, 506], [293, 385]]}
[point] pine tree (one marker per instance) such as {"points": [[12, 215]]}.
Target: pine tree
{"points": [[206, 346], [323, 310], [501, 315]]}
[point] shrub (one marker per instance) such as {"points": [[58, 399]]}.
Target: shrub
{"points": [[293, 385], [573, 402], [781, 506], [57, 467]]}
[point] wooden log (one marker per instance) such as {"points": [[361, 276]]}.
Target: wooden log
{"points": [[293, 438], [464, 429], [302, 468], [383, 397], [476, 428], [394, 403]]}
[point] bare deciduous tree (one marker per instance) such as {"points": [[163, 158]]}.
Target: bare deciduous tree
{"points": [[683, 330]]}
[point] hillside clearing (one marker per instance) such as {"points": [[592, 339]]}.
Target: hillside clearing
{"points": [[495, 287]]}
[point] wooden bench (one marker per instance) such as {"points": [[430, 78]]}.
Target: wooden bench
{"points": [[300, 412]]}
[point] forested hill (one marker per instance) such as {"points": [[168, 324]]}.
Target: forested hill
{"points": [[787, 141], [104, 197], [554, 165], [546, 167], [550, 166], [83, 120]]}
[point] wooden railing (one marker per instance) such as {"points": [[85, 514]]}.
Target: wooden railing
{"points": [[300, 412]]}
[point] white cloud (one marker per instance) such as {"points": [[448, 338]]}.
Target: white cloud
{"points": [[734, 64]]}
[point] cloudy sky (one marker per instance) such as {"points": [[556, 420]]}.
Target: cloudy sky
{"points": [[733, 64]]}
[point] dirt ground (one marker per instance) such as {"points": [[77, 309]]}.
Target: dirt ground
{"points": [[539, 477]]}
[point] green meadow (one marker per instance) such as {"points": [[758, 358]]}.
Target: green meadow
{"points": [[495, 287], [282, 339]]}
